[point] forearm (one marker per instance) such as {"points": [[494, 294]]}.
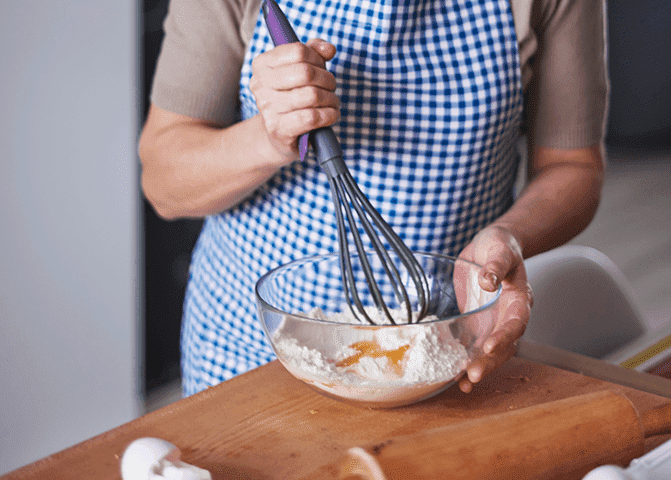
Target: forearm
{"points": [[559, 201], [193, 170]]}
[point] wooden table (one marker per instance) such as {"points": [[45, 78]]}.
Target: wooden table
{"points": [[267, 425]]}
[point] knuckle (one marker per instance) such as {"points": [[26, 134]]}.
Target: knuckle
{"points": [[269, 121], [263, 105], [310, 117], [297, 52], [262, 101], [304, 73], [312, 96], [258, 64], [309, 73], [254, 84], [330, 81], [334, 115], [328, 116]]}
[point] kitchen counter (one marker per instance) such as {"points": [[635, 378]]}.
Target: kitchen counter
{"points": [[267, 425]]}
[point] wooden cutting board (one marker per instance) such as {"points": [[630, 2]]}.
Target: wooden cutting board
{"points": [[267, 425]]}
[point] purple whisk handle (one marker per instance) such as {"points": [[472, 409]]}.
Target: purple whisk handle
{"points": [[278, 25]]}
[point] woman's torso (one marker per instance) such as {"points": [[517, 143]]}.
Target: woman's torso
{"points": [[431, 107]]}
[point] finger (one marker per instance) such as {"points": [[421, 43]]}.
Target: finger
{"points": [[296, 75], [325, 49], [511, 332], [513, 320], [313, 118], [305, 97], [290, 53], [495, 270], [490, 362], [465, 384], [290, 125]]}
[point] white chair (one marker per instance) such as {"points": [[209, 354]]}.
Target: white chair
{"points": [[582, 302]]}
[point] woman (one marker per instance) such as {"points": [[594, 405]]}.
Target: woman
{"points": [[429, 100]]}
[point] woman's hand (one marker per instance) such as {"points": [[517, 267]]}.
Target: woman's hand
{"points": [[500, 255], [294, 92], [558, 202]]}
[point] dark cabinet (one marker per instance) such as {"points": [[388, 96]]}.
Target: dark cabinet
{"points": [[640, 72], [166, 246]]}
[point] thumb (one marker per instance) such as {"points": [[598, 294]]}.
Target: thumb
{"points": [[322, 47], [494, 271]]}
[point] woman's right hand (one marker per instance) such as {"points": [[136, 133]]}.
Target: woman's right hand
{"points": [[294, 92]]}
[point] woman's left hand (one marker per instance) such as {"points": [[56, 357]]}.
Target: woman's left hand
{"points": [[500, 255]]}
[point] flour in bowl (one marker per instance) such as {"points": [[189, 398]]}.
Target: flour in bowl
{"points": [[370, 363]]}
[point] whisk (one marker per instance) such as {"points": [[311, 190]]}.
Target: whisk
{"points": [[346, 194]]}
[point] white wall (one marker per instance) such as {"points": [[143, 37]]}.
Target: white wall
{"points": [[69, 350]]}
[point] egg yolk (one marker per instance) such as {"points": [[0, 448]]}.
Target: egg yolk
{"points": [[373, 350]]}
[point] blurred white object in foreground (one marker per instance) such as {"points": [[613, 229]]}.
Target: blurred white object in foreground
{"points": [[154, 459], [654, 465]]}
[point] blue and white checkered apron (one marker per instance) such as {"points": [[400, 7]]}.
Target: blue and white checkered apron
{"points": [[431, 106]]}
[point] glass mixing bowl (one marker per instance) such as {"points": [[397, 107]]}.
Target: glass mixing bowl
{"points": [[307, 320]]}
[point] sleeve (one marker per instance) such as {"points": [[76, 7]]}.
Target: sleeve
{"points": [[198, 68], [567, 97]]}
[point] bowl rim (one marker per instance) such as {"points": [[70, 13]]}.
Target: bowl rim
{"points": [[318, 257]]}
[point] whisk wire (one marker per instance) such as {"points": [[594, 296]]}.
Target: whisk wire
{"points": [[356, 199], [346, 199], [406, 256], [349, 281]]}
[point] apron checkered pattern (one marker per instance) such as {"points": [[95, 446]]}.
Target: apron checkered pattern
{"points": [[431, 106]]}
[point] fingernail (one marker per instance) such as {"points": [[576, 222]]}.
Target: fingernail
{"points": [[492, 278], [475, 376], [488, 347]]}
